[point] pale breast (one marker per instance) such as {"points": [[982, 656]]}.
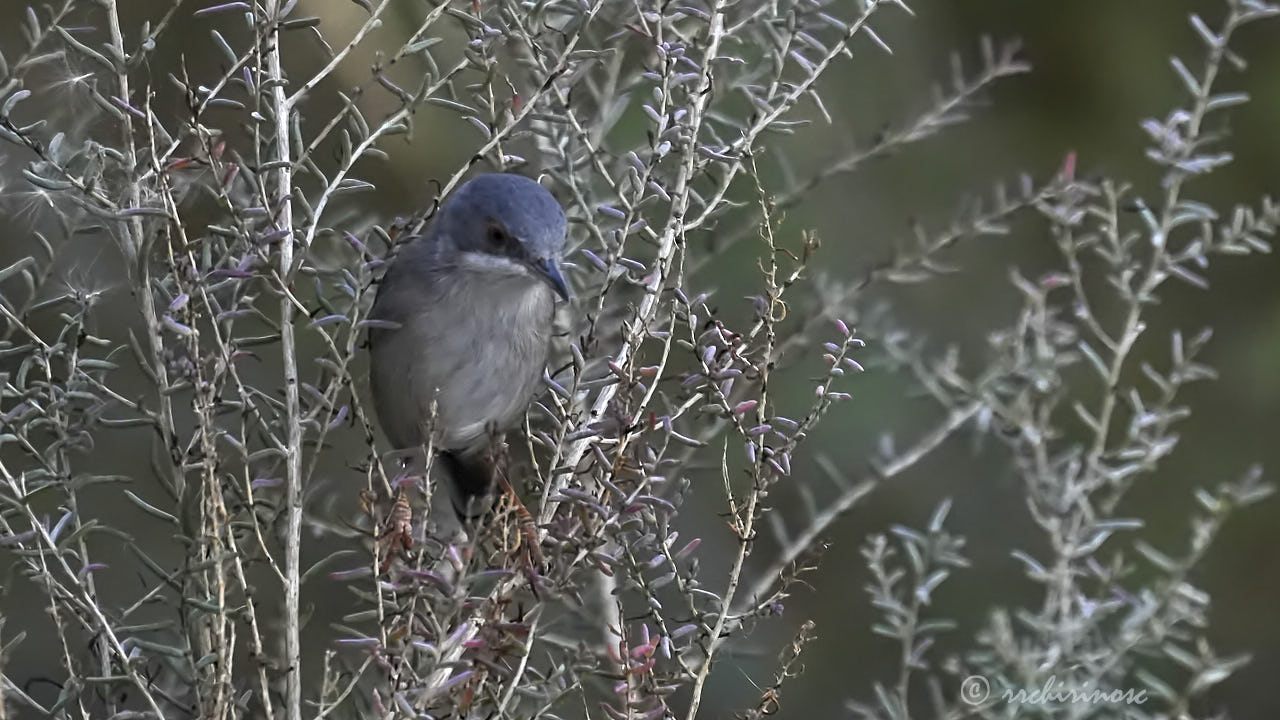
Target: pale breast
{"points": [[478, 348]]}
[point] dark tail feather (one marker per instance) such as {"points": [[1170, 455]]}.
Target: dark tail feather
{"points": [[473, 479]]}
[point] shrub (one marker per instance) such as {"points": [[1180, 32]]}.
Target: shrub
{"points": [[270, 561]]}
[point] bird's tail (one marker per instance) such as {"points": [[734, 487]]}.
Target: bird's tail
{"points": [[473, 478]]}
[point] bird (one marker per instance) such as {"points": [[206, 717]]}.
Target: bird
{"points": [[465, 315]]}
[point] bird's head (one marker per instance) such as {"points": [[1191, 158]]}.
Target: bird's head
{"points": [[506, 225]]}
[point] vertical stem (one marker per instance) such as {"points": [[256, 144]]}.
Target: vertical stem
{"points": [[133, 242], [746, 531], [293, 450]]}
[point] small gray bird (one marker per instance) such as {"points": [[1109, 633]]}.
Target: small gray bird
{"points": [[474, 300]]}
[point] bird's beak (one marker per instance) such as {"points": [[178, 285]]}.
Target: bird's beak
{"points": [[550, 271]]}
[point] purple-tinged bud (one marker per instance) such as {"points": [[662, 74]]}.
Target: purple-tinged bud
{"points": [[17, 538], [224, 7], [595, 260], [632, 264], [359, 642], [581, 433], [726, 388], [327, 320], [89, 568], [350, 574], [686, 440], [688, 548], [176, 327], [57, 529], [354, 242], [379, 324], [428, 576], [656, 502], [683, 630], [557, 388]]}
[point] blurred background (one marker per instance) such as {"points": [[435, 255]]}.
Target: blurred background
{"points": [[1099, 68]]}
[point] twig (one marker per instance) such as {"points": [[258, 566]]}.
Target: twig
{"points": [[283, 202]]}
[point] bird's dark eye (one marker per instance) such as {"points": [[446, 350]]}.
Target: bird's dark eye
{"points": [[498, 238]]}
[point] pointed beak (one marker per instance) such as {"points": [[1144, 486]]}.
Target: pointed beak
{"points": [[549, 271]]}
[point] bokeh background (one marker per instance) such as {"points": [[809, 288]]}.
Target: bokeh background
{"points": [[1099, 68]]}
